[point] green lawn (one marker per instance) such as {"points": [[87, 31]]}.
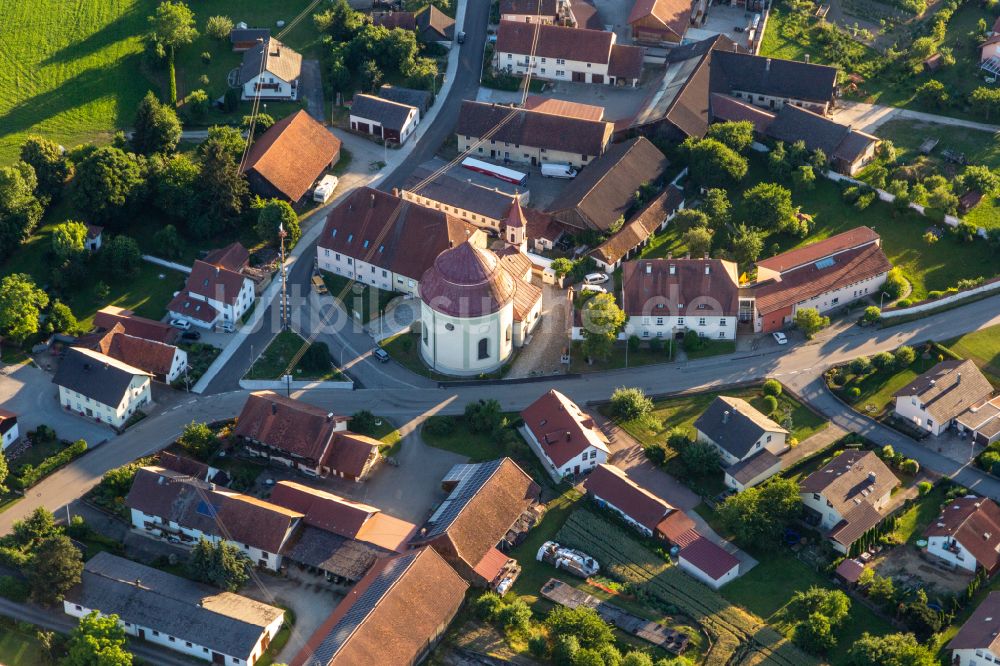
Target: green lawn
{"points": [[388, 434], [877, 388], [405, 350], [274, 362], [18, 649], [983, 347], [363, 302], [910, 524]]}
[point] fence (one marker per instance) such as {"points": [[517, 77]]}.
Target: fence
{"points": [[991, 286], [166, 264]]}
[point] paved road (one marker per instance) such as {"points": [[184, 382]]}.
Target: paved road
{"points": [[868, 117]]}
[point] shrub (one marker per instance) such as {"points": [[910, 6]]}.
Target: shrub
{"points": [[910, 466], [865, 200], [658, 455], [924, 487], [15, 589], [872, 314], [656, 345], [692, 341], [206, 57], [539, 646], [862, 365], [770, 404], [363, 422], [904, 303], [895, 284], [633, 343], [772, 387], [515, 616], [317, 358], [883, 361], [904, 356], [440, 426], [630, 403], [488, 605], [30, 475], [218, 27], [853, 393]]}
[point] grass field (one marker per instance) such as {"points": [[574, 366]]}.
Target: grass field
{"points": [[910, 524], [877, 388], [362, 301], [983, 347], [273, 363], [17, 649]]}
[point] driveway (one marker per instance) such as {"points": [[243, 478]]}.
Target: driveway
{"points": [[312, 90], [543, 354], [868, 117]]}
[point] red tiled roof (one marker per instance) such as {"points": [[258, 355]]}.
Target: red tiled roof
{"points": [[530, 7], [678, 528], [467, 281], [491, 565], [534, 128], [564, 108], [322, 509], [982, 630], [148, 355], [292, 154], [673, 14], [813, 252], [709, 558], [850, 570], [234, 257], [192, 308], [647, 283], [554, 41], [402, 20], [625, 61], [561, 428], [612, 485], [349, 452], [140, 327], [215, 282], [288, 425], [975, 523]]}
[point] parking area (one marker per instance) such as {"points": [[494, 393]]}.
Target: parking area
{"points": [[723, 20], [618, 102], [614, 17]]}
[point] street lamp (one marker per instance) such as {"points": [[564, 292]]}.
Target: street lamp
{"points": [[881, 297]]}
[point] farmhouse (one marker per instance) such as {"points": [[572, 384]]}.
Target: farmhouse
{"points": [[636, 234], [422, 99], [9, 431], [289, 157], [612, 488], [978, 640], [605, 193], [383, 118], [304, 437], [434, 26], [565, 439], [139, 327], [529, 137], [165, 503], [561, 53], [395, 615], [270, 70], [213, 294], [967, 534], [175, 613], [165, 362], [101, 388], [379, 239], [660, 22], [845, 498], [666, 298], [942, 395], [533, 11], [708, 562], [828, 274]]}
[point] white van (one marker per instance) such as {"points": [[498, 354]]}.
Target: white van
{"points": [[324, 190], [556, 170], [596, 278]]}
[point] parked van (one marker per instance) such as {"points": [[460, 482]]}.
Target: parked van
{"points": [[556, 170], [596, 278], [324, 190]]}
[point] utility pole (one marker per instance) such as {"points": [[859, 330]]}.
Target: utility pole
{"points": [[284, 278]]}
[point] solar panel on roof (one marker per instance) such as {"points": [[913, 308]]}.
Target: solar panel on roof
{"points": [[825, 263], [470, 480]]}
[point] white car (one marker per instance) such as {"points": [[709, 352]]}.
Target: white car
{"points": [[595, 278], [593, 288], [780, 338], [182, 324]]}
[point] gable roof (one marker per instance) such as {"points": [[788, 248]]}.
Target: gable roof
{"points": [[391, 616], [140, 327], [672, 14], [385, 112], [485, 501], [615, 487], [418, 98], [433, 24], [813, 252], [413, 235], [292, 154], [233, 256], [626, 61], [948, 389], [196, 505], [975, 523], [533, 128], [838, 141], [726, 108], [982, 630], [776, 76], [221, 621], [681, 287], [148, 355], [462, 188], [708, 557], [286, 424], [270, 56], [554, 41], [564, 108], [530, 7], [350, 452], [605, 190], [8, 420], [215, 282], [94, 375], [243, 35], [192, 308], [853, 478], [561, 428], [750, 468], [734, 424], [401, 20]]}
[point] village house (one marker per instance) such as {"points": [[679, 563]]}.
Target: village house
{"points": [[395, 615], [379, 239], [636, 234], [846, 497], [95, 237], [421, 99], [487, 511], [533, 11], [394, 19], [529, 137], [99, 387], [384, 119], [166, 363], [193, 468], [666, 298], [217, 292], [966, 535], [270, 70], [139, 327], [286, 160], [434, 26], [940, 397], [708, 562], [175, 613], [304, 437], [9, 430], [824, 275], [604, 195], [660, 22], [611, 488], [243, 38], [977, 642], [562, 53], [747, 441], [982, 421], [566, 440], [989, 51], [164, 503]]}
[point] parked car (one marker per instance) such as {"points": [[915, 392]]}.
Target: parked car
{"points": [[780, 338], [381, 355], [594, 288], [190, 335], [461, 38], [182, 324], [595, 278]]}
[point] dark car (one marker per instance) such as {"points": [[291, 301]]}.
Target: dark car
{"points": [[381, 355], [461, 38], [190, 335]]}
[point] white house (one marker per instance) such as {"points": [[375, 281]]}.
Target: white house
{"points": [[270, 70], [612, 488], [175, 613], [166, 362], [967, 534], [101, 388], [566, 439], [708, 562], [946, 392], [213, 295], [9, 431], [977, 642], [846, 497], [738, 431], [393, 122], [164, 503]]}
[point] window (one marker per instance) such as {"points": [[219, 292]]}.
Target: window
{"points": [[659, 320], [680, 321], [701, 321], [768, 439], [449, 327], [187, 643], [543, 60], [722, 322], [593, 454], [543, 69], [815, 496], [484, 349], [171, 639], [507, 335], [425, 334], [930, 423], [78, 607], [385, 274]]}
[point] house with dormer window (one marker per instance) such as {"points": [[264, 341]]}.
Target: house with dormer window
{"points": [[967, 534], [563, 436], [217, 292]]}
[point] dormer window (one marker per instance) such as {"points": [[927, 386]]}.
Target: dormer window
{"points": [[350, 237]]}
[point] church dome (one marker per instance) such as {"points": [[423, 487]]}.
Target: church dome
{"points": [[466, 281]]}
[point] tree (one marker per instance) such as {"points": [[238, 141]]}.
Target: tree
{"points": [[872, 315], [54, 568], [371, 76], [218, 27], [690, 218], [882, 591], [122, 257], [921, 619], [760, 514], [173, 27], [20, 304], [226, 137], [157, 128], [223, 189], [69, 240], [197, 104], [635, 659], [861, 365], [804, 177], [602, 319], [105, 181], [716, 205], [700, 458], [895, 284], [770, 405], [713, 164], [562, 266], [904, 356], [747, 243], [20, 209], [261, 123], [984, 100], [630, 403], [978, 177], [515, 616], [275, 214], [778, 163], [832, 604], [909, 466], [582, 622], [564, 649], [484, 416], [340, 21], [698, 241], [769, 205], [220, 564], [883, 361], [61, 319], [168, 242], [99, 640], [488, 605], [890, 650], [815, 634], [932, 92], [736, 135], [423, 74], [30, 531], [174, 183], [810, 321], [52, 169], [771, 387], [198, 440]]}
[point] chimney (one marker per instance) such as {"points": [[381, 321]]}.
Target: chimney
{"points": [[329, 417], [649, 268], [373, 199], [725, 416], [958, 378], [138, 582], [395, 191], [871, 477], [274, 408], [767, 65], [568, 435], [670, 255]]}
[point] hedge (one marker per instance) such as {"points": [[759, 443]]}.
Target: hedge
{"points": [[30, 475]]}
